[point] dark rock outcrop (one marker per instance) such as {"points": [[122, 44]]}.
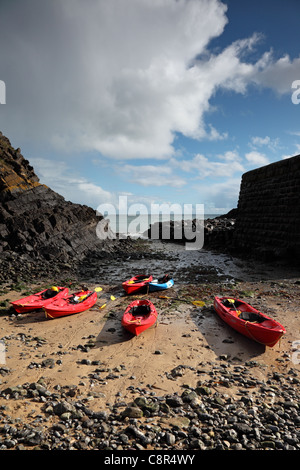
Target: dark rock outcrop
{"points": [[38, 225], [217, 232]]}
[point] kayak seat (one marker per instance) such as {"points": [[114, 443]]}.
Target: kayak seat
{"points": [[48, 294], [228, 304], [140, 310], [164, 279], [251, 317]]}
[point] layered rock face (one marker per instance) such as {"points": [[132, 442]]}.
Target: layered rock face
{"points": [[37, 222]]}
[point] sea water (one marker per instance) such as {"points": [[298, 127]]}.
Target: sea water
{"points": [[138, 225]]}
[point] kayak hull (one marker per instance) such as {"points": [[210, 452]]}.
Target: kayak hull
{"points": [[136, 284], [263, 330], [64, 306], [156, 286], [139, 316], [36, 301]]}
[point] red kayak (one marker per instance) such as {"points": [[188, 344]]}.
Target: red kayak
{"points": [[249, 321], [138, 316], [39, 300], [75, 303], [136, 283]]}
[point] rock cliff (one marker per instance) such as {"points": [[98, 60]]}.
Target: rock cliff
{"points": [[39, 227]]}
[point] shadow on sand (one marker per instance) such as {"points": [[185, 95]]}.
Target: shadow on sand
{"points": [[112, 332], [224, 340]]}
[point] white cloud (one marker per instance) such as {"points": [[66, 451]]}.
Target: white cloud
{"points": [[109, 76], [150, 175], [278, 75], [224, 195], [271, 144], [67, 182], [230, 156], [122, 77], [261, 140], [202, 167], [257, 158]]}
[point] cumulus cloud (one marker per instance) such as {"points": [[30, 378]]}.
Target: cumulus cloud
{"points": [[270, 144], [153, 175], [276, 74], [261, 140], [203, 167], [64, 179], [224, 195], [257, 158], [108, 76], [122, 78]]}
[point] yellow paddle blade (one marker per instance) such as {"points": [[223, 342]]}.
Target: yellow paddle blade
{"points": [[98, 289], [199, 303], [102, 306], [231, 301], [138, 280], [112, 297]]}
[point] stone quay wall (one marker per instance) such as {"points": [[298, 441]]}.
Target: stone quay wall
{"points": [[268, 221]]}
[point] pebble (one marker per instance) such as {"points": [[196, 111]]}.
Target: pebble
{"points": [[200, 418]]}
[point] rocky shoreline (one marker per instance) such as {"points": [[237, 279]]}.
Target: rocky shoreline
{"points": [[204, 417]]}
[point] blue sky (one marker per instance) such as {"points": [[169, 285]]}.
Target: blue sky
{"points": [[162, 101]]}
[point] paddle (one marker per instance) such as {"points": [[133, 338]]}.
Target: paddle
{"points": [[198, 303], [83, 297], [231, 301], [138, 280], [112, 297], [86, 296]]}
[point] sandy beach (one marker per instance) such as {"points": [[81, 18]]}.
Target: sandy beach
{"points": [[104, 366]]}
